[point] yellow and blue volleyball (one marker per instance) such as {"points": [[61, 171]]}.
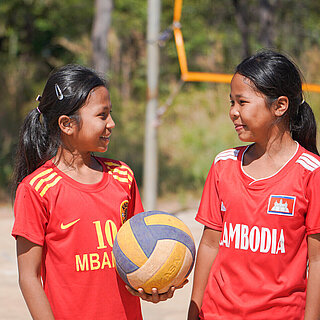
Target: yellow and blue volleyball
{"points": [[154, 249]]}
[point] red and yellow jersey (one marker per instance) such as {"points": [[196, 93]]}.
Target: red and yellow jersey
{"points": [[76, 224], [260, 270]]}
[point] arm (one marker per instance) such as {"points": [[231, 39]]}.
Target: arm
{"points": [[312, 311], [207, 252], [29, 265]]}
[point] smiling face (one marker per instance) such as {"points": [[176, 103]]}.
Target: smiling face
{"points": [[252, 117], [93, 133]]}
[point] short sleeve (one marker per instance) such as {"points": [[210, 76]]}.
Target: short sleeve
{"points": [[135, 204], [31, 217], [313, 214], [209, 212]]}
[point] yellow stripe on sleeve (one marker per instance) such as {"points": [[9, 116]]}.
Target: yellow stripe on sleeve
{"points": [[42, 181], [119, 166], [110, 163], [127, 168], [49, 185], [119, 178], [41, 174], [124, 173]]}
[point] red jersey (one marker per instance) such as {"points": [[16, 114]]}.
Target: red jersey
{"points": [[260, 270], [76, 224]]}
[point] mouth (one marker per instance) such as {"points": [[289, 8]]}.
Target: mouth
{"points": [[239, 127], [105, 138]]}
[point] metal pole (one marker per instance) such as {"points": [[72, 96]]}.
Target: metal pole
{"points": [[150, 172]]}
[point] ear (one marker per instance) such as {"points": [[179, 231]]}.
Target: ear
{"points": [[66, 125], [281, 105]]}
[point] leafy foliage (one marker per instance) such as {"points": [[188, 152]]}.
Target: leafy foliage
{"points": [[37, 36]]}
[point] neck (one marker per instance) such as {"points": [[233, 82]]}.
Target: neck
{"points": [[80, 167], [272, 147], [73, 160], [275, 146], [264, 160]]}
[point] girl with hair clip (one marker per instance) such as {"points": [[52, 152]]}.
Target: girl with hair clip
{"points": [[260, 205], [69, 204]]}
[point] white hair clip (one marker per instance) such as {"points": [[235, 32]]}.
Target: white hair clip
{"points": [[58, 92]]}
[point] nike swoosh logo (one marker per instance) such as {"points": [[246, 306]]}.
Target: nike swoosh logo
{"points": [[68, 225]]}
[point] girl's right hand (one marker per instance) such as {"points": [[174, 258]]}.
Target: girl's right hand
{"points": [[156, 297]]}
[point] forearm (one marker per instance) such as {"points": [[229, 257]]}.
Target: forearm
{"points": [[206, 254], [313, 288], [312, 311], [205, 259], [36, 298], [29, 264]]}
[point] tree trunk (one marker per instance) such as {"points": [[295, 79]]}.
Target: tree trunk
{"points": [[100, 29], [126, 69], [267, 26], [243, 25]]}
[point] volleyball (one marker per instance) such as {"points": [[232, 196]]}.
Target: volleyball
{"points": [[154, 249]]}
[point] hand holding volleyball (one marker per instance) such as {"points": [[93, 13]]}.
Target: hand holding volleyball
{"points": [[154, 250]]}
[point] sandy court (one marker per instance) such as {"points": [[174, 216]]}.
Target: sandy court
{"points": [[12, 305]]}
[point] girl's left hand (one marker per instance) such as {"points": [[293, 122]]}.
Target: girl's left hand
{"points": [[156, 297]]}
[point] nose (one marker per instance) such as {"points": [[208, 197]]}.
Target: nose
{"points": [[110, 123], [234, 112]]}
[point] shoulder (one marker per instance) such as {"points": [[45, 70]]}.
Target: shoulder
{"points": [[308, 160], [115, 165], [229, 154], [41, 180], [119, 170]]}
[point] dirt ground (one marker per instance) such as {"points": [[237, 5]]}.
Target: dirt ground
{"points": [[13, 307]]}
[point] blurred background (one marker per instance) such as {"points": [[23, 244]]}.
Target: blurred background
{"points": [[37, 36]]}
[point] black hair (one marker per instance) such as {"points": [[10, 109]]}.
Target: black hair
{"points": [[65, 93], [275, 75]]}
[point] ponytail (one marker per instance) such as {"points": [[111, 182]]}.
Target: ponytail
{"points": [[34, 147], [303, 127]]}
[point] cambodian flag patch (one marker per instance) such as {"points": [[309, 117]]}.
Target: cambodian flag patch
{"points": [[282, 205]]}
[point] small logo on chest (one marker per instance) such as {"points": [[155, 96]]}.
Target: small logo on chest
{"points": [[124, 211], [68, 225], [281, 205]]}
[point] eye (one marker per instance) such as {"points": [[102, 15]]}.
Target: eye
{"points": [[242, 102], [103, 115], [231, 103]]}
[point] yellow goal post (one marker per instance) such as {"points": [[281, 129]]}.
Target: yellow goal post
{"points": [[187, 75]]}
